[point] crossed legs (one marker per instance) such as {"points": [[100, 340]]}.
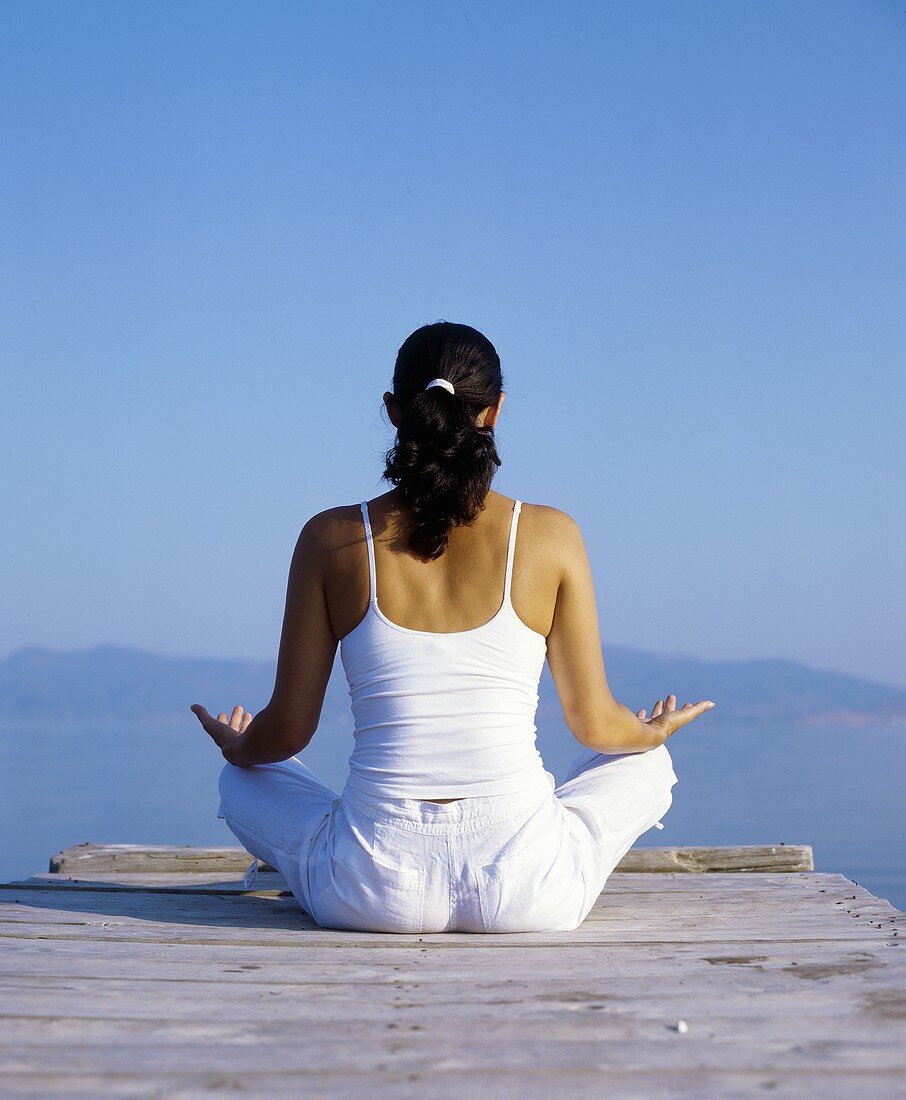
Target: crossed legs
{"points": [[276, 811], [613, 799]]}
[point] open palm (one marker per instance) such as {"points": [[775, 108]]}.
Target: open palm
{"points": [[667, 719], [223, 730]]}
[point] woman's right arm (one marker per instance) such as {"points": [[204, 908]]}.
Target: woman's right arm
{"points": [[596, 719]]}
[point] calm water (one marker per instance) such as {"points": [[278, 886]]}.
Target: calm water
{"points": [[840, 790]]}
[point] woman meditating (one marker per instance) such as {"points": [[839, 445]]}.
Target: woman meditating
{"points": [[445, 597]]}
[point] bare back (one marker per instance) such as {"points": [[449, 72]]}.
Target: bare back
{"points": [[552, 587], [458, 591]]}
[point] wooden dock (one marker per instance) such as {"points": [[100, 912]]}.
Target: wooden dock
{"points": [[132, 971]]}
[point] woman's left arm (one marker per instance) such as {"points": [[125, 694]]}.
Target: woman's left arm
{"points": [[308, 648]]}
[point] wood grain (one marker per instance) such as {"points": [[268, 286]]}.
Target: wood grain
{"points": [[150, 981], [168, 859]]}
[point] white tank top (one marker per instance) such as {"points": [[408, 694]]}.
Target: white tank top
{"points": [[444, 715]]}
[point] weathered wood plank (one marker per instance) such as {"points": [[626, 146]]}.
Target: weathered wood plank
{"points": [[268, 882], [326, 993], [273, 884], [455, 1083], [312, 938], [140, 858], [594, 1038], [149, 858], [532, 1019], [175, 983], [345, 964], [739, 858], [222, 918]]}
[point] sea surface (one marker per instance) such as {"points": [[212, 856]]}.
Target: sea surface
{"points": [[839, 789]]}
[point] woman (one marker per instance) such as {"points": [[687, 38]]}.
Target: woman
{"points": [[448, 820]]}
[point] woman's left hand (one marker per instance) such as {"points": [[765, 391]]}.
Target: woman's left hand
{"points": [[223, 730]]}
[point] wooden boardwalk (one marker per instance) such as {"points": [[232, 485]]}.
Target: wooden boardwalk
{"points": [[120, 980]]}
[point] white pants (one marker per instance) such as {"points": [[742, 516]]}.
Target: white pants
{"points": [[533, 861]]}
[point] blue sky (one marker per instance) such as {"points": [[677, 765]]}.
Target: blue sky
{"points": [[682, 225]]}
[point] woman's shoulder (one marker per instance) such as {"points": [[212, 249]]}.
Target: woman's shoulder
{"points": [[552, 534], [548, 520], [332, 529]]}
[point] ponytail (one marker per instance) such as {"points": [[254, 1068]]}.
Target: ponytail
{"points": [[442, 461]]}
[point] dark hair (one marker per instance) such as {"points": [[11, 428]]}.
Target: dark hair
{"points": [[442, 461]]}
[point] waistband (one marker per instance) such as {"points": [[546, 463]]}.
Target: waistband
{"points": [[487, 808]]}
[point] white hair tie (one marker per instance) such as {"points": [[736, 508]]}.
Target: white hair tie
{"points": [[441, 382]]}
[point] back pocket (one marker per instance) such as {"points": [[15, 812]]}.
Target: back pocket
{"points": [[538, 887], [355, 889]]}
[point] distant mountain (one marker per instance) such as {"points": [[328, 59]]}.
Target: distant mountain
{"points": [[755, 691], [115, 682]]}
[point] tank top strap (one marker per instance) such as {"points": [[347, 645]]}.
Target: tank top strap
{"points": [[369, 542], [517, 508]]}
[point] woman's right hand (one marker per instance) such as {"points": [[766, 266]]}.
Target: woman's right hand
{"points": [[666, 719]]}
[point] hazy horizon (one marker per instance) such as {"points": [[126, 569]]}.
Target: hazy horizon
{"points": [[337, 670]]}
